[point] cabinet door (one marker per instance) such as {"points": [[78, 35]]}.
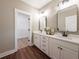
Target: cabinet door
{"points": [[56, 52], [54, 49], [68, 54]]}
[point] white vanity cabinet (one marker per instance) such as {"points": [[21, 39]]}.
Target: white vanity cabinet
{"points": [[37, 40], [63, 50], [42, 42], [56, 47]]}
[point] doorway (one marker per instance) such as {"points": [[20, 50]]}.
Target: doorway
{"points": [[22, 29]]}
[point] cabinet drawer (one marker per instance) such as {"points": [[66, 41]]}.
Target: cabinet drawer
{"points": [[45, 50], [68, 45], [35, 36], [44, 46], [44, 41], [44, 38], [37, 41]]}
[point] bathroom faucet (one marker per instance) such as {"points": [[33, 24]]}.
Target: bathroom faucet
{"points": [[65, 34]]}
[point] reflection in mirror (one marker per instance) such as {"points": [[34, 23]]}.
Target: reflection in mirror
{"points": [[67, 19], [43, 23], [71, 23]]}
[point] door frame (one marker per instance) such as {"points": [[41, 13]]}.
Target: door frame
{"points": [[26, 13]]}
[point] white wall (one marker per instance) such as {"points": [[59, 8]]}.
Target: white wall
{"points": [[51, 13], [7, 22]]}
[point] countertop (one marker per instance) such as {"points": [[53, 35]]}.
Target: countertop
{"points": [[70, 38]]}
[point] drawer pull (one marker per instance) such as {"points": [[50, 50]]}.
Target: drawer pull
{"points": [[44, 45], [44, 41], [43, 50], [60, 48], [43, 37], [35, 37]]}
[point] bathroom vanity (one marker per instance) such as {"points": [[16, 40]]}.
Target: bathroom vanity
{"points": [[56, 46], [59, 46]]}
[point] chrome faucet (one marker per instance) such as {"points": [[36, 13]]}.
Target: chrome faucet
{"points": [[65, 34]]}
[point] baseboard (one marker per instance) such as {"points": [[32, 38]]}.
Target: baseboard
{"points": [[7, 53]]}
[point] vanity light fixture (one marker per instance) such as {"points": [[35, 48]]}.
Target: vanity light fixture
{"points": [[65, 1]]}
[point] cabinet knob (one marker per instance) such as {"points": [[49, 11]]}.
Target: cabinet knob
{"points": [[44, 50], [44, 45], [28, 29], [60, 48], [43, 37], [44, 41]]}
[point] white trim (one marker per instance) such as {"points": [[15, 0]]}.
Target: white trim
{"points": [[24, 12], [21, 11], [7, 53]]}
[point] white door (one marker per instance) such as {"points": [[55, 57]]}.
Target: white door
{"points": [[22, 25], [68, 54]]}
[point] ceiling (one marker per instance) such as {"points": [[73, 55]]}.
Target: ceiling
{"points": [[37, 3]]}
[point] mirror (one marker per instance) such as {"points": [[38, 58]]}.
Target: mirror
{"points": [[43, 23], [67, 19]]}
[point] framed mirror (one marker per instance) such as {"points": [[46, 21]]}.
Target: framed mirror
{"points": [[43, 23], [67, 19]]}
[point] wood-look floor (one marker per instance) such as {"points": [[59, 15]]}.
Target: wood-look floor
{"points": [[27, 53], [22, 42]]}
